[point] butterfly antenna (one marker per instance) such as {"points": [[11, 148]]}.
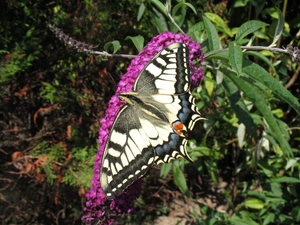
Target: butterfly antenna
{"points": [[112, 78]]}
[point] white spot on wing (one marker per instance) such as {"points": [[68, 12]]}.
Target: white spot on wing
{"points": [[133, 147], [165, 99], [150, 161], [118, 136], [109, 179], [165, 84], [119, 167], [105, 163], [149, 128], [161, 61], [169, 74], [129, 154], [154, 69], [124, 159], [113, 169], [113, 152], [171, 66], [166, 91], [144, 167]]}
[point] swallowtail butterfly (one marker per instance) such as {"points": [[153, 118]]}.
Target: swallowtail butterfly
{"points": [[152, 126]]}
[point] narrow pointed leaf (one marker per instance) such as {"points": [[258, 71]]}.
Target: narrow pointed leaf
{"points": [[279, 28], [141, 11], [179, 179], [212, 35], [265, 81], [238, 106], [160, 6], [235, 57], [257, 97], [254, 203], [248, 28], [179, 5]]}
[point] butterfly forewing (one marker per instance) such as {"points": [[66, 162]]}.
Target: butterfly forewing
{"points": [[153, 125], [128, 154], [167, 73]]}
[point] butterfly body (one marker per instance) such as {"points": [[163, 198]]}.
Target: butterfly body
{"points": [[153, 125]]}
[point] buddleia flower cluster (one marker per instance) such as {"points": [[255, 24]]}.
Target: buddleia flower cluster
{"points": [[294, 53], [100, 210], [71, 42]]}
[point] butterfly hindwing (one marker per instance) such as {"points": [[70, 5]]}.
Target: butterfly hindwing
{"points": [[187, 115], [153, 125]]}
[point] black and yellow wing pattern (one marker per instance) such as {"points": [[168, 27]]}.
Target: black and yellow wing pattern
{"points": [[152, 126]]}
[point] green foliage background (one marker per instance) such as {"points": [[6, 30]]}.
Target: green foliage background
{"points": [[52, 97]]}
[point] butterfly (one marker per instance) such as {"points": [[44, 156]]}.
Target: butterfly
{"points": [[153, 125]]}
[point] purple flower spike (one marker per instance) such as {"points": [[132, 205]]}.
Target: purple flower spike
{"points": [[100, 210]]}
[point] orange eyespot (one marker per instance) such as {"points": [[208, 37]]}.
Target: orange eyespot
{"points": [[179, 128]]}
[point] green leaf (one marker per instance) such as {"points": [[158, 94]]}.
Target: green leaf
{"points": [[270, 200], [195, 32], [254, 203], [179, 5], [115, 44], [212, 170], [138, 41], [160, 6], [141, 11], [278, 113], [291, 163], [159, 21], [49, 172], [179, 17], [286, 180], [269, 218], [263, 58], [279, 28], [258, 100], [220, 23], [263, 80], [240, 3], [201, 151], [238, 221], [222, 55], [239, 106], [209, 83], [165, 170], [248, 28], [179, 179], [235, 57], [212, 35]]}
